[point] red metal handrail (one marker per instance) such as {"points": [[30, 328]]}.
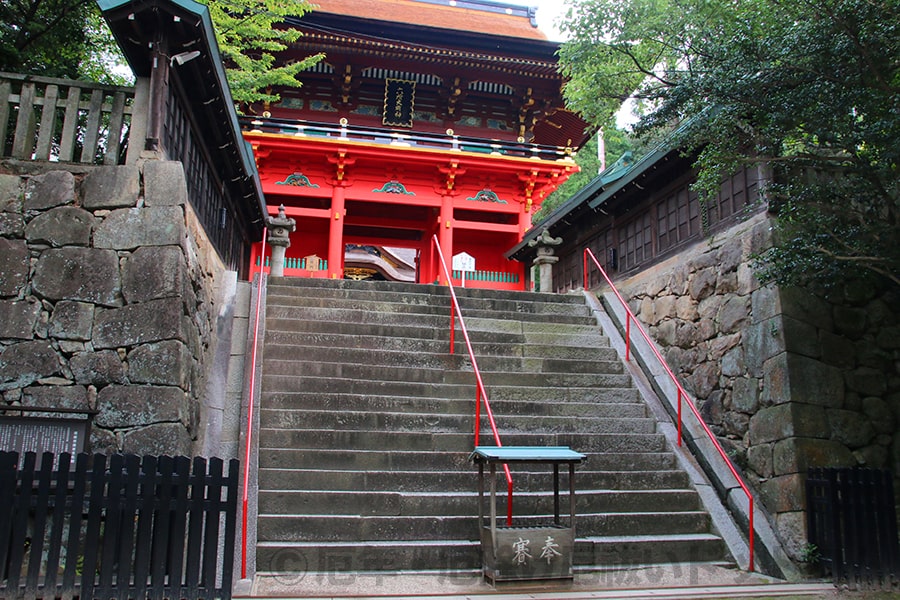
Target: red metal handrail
{"points": [[249, 437], [681, 393], [481, 392]]}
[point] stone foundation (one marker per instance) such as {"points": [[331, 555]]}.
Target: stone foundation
{"points": [[107, 302], [787, 380]]}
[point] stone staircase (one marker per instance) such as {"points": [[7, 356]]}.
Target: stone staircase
{"points": [[366, 426]]}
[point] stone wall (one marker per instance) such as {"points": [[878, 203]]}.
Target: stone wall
{"points": [[107, 301], [787, 380]]}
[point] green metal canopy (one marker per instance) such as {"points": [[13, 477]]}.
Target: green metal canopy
{"points": [[183, 31], [526, 454]]}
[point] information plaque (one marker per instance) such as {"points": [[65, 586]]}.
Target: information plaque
{"points": [[43, 434]]}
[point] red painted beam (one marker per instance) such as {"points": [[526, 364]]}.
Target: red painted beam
{"points": [[296, 211]]}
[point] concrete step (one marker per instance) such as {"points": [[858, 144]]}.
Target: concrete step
{"points": [[434, 293], [346, 378], [511, 393], [405, 421], [367, 428], [454, 442], [480, 330], [346, 557], [428, 298], [424, 503], [351, 476], [441, 346], [437, 360], [299, 327], [437, 526], [286, 386], [460, 407], [455, 555], [625, 550], [295, 307], [328, 385]]}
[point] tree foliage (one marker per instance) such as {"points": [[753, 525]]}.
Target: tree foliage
{"points": [[617, 143], [809, 89], [250, 35], [67, 39], [56, 38]]}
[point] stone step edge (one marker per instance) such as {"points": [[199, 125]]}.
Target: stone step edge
{"points": [[444, 298], [402, 399], [338, 313], [473, 493], [439, 354], [626, 381], [427, 289], [615, 539], [503, 432], [544, 517], [278, 362], [312, 412], [578, 473]]}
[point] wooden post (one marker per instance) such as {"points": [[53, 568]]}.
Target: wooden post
{"points": [[139, 118], [336, 234], [159, 91], [24, 123], [445, 229]]}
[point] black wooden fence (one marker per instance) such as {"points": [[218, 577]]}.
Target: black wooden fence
{"points": [[852, 525], [118, 527]]}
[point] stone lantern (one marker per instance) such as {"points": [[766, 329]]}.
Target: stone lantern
{"points": [[280, 229], [544, 261]]}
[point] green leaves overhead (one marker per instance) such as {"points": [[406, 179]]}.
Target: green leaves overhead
{"points": [[68, 39], [56, 38], [250, 34], [809, 89]]}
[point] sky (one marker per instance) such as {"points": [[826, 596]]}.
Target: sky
{"points": [[547, 13]]}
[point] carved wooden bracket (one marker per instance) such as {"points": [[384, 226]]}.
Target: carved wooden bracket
{"points": [[450, 173], [529, 181], [341, 161]]}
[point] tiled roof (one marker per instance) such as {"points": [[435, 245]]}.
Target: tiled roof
{"points": [[469, 16]]}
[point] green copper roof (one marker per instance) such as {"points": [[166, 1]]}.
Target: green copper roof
{"points": [[183, 26]]}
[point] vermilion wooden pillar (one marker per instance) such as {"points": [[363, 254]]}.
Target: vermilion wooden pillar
{"points": [[428, 262], [524, 221], [336, 233], [445, 234]]}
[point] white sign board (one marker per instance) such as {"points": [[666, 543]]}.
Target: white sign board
{"points": [[463, 262]]}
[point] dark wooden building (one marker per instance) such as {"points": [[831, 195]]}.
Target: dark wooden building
{"points": [[637, 213]]}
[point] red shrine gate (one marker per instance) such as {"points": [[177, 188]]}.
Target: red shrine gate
{"points": [[425, 118], [354, 186]]}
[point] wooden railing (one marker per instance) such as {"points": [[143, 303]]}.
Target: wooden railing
{"points": [[381, 135], [62, 120]]}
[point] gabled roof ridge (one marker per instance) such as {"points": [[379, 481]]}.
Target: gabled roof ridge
{"points": [[472, 16]]}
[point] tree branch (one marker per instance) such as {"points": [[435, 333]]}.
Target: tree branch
{"points": [[61, 16]]}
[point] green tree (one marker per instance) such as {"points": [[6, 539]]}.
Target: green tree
{"points": [[250, 34], [67, 38], [617, 142], [589, 163], [808, 88], [55, 38]]}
